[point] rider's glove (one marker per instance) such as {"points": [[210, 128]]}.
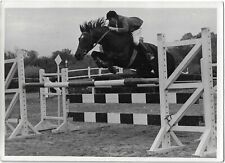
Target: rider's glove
{"points": [[113, 29]]}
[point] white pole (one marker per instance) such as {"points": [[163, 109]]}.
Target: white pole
{"points": [[120, 70], [65, 107], [58, 79], [208, 139], [89, 72], [100, 71], [58, 60], [42, 95], [47, 90]]}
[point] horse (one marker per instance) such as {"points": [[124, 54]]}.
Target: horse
{"points": [[118, 50]]}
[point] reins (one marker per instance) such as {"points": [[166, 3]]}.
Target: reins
{"points": [[101, 38]]}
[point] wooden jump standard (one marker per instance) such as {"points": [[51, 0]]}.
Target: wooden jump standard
{"points": [[169, 123], [20, 127]]}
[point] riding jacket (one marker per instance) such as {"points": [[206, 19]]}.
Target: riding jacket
{"points": [[127, 24]]}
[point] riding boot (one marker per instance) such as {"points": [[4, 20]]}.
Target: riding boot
{"points": [[146, 53]]}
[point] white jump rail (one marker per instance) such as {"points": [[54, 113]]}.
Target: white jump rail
{"points": [[89, 72]]}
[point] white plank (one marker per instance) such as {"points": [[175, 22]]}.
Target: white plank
{"points": [[189, 128], [185, 85], [183, 42], [10, 60]]}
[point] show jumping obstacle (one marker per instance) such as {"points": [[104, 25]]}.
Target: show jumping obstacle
{"points": [[141, 98], [144, 98], [169, 123]]}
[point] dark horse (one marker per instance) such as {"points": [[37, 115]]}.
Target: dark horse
{"points": [[118, 50]]}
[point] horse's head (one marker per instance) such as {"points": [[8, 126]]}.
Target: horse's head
{"points": [[88, 37], [84, 46]]}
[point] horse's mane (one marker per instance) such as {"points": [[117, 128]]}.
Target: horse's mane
{"points": [[88, 26]]}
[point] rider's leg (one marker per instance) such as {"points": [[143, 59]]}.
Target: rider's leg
{"points": [[138, 41]]}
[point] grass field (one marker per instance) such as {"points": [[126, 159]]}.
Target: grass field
{"points": [[109, 140]]}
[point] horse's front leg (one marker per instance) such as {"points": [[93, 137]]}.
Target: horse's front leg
{"points": [[96, 57], [111, 68], [102, 61]]}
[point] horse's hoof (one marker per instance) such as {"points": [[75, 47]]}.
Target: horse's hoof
{"points": [[112, 70]]}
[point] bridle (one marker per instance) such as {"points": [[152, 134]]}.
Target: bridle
{"points": [[85, 51], [101, 38]]}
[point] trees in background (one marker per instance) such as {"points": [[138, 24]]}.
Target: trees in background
{"points": [[33, 62]]}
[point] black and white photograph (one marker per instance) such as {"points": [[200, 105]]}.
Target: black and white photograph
{"points": [[112, 81]]}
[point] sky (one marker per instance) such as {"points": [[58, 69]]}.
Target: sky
{"points": [[46, 30]]}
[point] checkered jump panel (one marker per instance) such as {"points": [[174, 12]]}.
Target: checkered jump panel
{"points": [[129, 118], [143, 98]]}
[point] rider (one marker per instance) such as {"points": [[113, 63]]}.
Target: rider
{"points": [[122, 24]]}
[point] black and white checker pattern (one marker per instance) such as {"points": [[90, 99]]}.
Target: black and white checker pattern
{"points": [[142, 98]]}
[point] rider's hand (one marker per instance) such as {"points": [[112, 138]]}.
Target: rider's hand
{"points": [[113, 29]]}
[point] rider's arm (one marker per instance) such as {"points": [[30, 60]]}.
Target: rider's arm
{"points": [[125, 27]]}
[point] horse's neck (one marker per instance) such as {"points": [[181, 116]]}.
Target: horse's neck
{"points": [[111, 40], [97, 34]]}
